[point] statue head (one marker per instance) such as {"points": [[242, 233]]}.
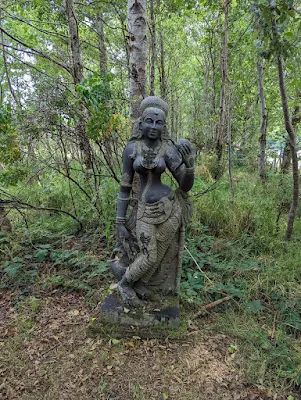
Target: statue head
{"points": [[150, 105]]}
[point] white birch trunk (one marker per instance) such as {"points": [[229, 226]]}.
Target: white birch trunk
{"points": [[153, 48], [138, 48]]}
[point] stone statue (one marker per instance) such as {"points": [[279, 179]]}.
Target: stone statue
{"points": [[147, 260]]}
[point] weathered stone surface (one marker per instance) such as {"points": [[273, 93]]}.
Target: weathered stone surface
{"points": [[151, 217], [162, 313]]}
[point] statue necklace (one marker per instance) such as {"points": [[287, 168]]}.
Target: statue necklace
{"points": [[150, 156]]}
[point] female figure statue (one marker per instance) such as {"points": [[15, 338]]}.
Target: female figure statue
{"points": [[151, 239]]}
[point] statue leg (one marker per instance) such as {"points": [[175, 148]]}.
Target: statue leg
{"points": [[146, 234], [128, 294], [153, 241], [147, 258]]}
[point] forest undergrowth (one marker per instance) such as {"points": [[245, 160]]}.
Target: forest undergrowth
{"points": [[234, 249]]}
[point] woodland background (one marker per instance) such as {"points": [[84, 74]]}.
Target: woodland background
{"points": [[71, 77]]}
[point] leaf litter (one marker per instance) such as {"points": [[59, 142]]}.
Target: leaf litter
{"points": [[50, 356]]}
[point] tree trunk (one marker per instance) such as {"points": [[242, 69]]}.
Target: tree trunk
{"points": [[291, 134], [77, 68], [287, 155], [292, 142], [153, 48], [101, 44], [229, 135], [263, 125], [77, 74], [103, 69], [222, 127], [163, 86], [137, 44], [214, 125], [6, 68]]}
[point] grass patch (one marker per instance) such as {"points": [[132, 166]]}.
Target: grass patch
{"points": [[236, 247]]}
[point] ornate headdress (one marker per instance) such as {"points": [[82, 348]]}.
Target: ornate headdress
{"points": [[153, 102]]}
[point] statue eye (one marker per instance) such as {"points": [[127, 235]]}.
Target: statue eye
{"points": [[160, 122], [148, 120]]}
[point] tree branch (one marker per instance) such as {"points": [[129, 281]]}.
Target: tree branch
{"points": [[38, 53], [21, 204]]}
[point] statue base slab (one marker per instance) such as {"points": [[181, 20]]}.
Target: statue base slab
{"points": [[153, 319]]}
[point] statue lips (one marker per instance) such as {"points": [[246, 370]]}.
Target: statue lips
{"points": [[153, 134]]}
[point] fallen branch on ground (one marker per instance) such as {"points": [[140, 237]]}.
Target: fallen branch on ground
{"points": [[209, 306]]}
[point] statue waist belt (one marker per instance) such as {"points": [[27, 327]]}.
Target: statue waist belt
{"points": [[158, 212]]}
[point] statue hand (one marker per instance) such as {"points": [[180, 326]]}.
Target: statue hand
{"points": [[122, 232], [187, 153], [117, 253]]}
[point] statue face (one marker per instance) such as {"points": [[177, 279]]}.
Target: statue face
{"points": [[153, 125]]}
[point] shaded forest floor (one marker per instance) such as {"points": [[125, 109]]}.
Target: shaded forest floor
{"points": [[46, 353], [51, 286]]}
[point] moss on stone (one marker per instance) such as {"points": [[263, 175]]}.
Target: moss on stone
{"points": [[158, 319]]}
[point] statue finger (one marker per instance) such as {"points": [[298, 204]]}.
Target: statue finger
{"points": [[187, 148], [180, 150], [185, 153]]}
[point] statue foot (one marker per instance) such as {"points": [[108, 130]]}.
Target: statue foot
{"points": [[128, 294], [142, 291], [117, 268]]}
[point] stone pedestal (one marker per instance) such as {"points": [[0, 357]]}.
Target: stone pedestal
{"points": [[154, 319], [158, 313]]}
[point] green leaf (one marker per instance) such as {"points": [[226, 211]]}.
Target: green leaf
{"points": [[18, 259], [255, 306], [28, 256], [41, 255], [13, 270], [44, 246]]}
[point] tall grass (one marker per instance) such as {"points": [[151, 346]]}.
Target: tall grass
{"points": [[52, 190]]}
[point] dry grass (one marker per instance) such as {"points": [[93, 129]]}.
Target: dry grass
{"points": [[45, 353]]}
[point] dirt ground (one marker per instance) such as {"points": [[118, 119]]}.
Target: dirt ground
{"points": [[46, 352]]}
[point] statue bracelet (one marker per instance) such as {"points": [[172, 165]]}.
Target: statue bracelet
{"points": [[190, 170], [120, 220]]}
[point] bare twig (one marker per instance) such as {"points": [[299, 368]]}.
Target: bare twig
{"points": [[20, 204], [209, 306], [209, 189], [196, 263]]}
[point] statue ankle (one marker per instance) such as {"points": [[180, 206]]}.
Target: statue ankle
{"points": [[124, 282]]}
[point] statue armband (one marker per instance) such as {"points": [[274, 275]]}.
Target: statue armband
{"points": [[126, 180]]}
